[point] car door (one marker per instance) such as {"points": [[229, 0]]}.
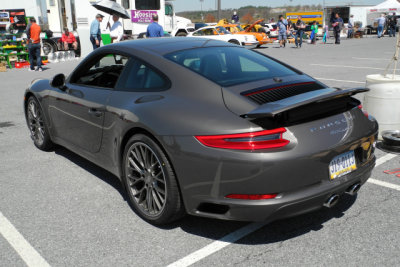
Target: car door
{"points": [[77, 111]]}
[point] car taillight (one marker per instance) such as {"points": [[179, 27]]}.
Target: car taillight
{"points": [[251, 197], [246, 141], [365, 112]]}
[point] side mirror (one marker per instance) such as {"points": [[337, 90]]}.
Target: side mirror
{"points": [[58, 81]]}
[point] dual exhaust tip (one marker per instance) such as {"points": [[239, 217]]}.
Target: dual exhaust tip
{"points": [[334, 199]]}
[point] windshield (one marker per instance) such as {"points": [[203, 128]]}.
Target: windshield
{"points": [[239, 28], [228, 66], [222, 30]]}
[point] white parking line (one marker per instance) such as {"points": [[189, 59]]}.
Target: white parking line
{"points": [[385, 158], [351, 67], [335, 80], [252, 227], [29, 255], [370, 58], [217, 245], [380, 161], [385, 184]]}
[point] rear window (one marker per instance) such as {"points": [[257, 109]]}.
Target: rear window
{"points": [[228, 66]]}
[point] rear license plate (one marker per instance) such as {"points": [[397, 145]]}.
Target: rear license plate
{"points": [[342, 164]]}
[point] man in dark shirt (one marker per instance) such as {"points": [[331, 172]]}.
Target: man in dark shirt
{"points": [[290, 28], [155, 29], [392, 25], [337, 25], [235, 17], [300, 26]]}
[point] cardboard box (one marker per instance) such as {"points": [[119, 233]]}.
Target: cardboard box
{"points": [[3, 67]]}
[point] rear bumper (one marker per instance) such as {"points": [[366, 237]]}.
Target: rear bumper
{"points": [[287, 204]]}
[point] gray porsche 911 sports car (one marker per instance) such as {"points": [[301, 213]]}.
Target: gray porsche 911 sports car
{"points": [[207, 128]]}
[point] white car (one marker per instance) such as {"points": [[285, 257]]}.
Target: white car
{"points": [[220, 33], [271, 29]]}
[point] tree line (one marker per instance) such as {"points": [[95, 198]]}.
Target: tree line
{"points": [[247, 14]]}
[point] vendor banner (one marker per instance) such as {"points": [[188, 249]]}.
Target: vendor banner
{"points": [[142, 16]]}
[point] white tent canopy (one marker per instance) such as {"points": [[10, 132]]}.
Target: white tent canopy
{"points": [[387, 6]]}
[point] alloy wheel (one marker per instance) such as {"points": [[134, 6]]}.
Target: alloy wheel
{"points": [[36, 123], [146, 179]]}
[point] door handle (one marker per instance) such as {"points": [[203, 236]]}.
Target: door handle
{"points": [[95, 112]]}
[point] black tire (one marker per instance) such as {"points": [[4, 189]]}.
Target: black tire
{"points": [[391, 138], [142, 35], [48, 48], [236, 42], [181, 34], [37, 125], [146, 169]]}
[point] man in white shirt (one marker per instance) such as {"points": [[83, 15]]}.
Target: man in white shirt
{"points": [[116, 31]]}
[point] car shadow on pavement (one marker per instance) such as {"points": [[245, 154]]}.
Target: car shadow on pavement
{"points": [[215, 229], [92, 168], [277, 231]]}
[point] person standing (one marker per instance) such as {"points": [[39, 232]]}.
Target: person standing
{"points": [[68, 39], [235, 17], [116, 31], [326, 34], [34, 47], [337, 27], [350, 27], [392, 25], [290, 28], [381, 25], [282, 31], [314, 32], [155, 29], [95, 32], [300, 26]]}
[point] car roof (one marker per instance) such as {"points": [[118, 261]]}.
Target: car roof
{"points": [[164, 46]]}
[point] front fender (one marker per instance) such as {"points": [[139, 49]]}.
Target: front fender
{"points": [[41, 90]]}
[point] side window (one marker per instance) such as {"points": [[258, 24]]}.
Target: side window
{"points": [[209, 31], [139, 77], [168, 10], [125, 4], [102, 72], [198, 33]]}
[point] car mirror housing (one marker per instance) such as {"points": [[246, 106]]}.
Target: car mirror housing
{"points": [[58, 81]]}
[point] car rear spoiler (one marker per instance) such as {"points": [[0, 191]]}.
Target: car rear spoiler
{"points": [[274, 108]]}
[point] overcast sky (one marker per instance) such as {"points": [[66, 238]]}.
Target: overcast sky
{"points": [[186, 5]]}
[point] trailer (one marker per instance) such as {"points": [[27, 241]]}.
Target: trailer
{"points": [[78, 15], [141, 16], [358, 11]]}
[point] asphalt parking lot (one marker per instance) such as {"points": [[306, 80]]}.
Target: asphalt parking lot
{"points": [[58, 209]]}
